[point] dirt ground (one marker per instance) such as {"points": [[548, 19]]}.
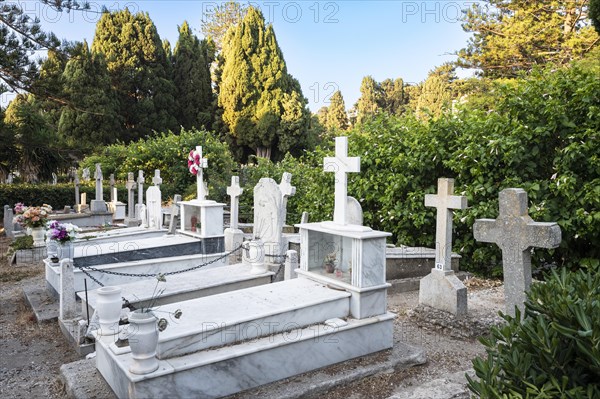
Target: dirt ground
{"points": [[31, 354]]}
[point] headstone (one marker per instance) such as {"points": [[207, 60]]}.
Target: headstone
{"points": [[140, 187], [354, 213], [85, 174], [130, 185], [291, 264], [287, 190], [154, 207], [157, 180], [304, 218], [441, 289], [113, 191], [9, 179], [77, 203], [174, 214], [54, 179], [8, 222], [233, 235], [68, 304], [83, 200], [98, 205], [268, 216], [143, 215], [516, 233], [341, 164]]}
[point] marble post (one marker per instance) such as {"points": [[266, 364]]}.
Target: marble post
{"points": [[304, 218], [77, 203], [174, 214], [233, 235], [8, 222], [140, 200], [516, 233], [67, 309], [113, 192], [341, 164], [441, 289], [291, 264], [98, 204], [130, 220]]}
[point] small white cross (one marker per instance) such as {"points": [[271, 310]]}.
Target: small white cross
{"points": [[157, 180], [234, 191], [201, 192], [340, 165]]}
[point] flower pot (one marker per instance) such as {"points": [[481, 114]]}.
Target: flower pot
{"points": [[256, 257], [329, 267], [109, 306], [38, 234], [143, 340], [66, 250]]}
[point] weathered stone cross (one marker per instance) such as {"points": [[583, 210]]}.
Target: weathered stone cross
{"points": [[340, 165], [98, 177], [287, 190], [157, 180], [201, 190], [516, 233], [445, 202], [130, 196], [234, 191]]}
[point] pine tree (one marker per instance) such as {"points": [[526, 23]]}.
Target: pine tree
{"points": [[263, 105], [96, 120], [392, 99], [436, 92], [137, 64], [370, 98], [337, 119], [513, 36], [191, 76]]}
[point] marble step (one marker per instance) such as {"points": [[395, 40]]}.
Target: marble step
{"points": [[250, 313], [230, 369], [119, 235], [92, 254], [146, 266], [182, 287]]}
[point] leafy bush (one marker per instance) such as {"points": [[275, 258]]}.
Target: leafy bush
{"points": [[23, 242], [555, 351]]}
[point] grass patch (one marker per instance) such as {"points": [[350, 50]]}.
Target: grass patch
{"points": [[13, 274]]}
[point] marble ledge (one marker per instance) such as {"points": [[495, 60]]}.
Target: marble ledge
{"points": [[337, 283], [361, 235]]}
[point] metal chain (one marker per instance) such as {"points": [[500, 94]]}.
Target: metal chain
{"points": [[154, 275], [274, 277], [92, 277]]}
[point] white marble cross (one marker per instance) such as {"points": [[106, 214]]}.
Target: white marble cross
{"points": [[140, 183], [516, 233], [234, 191], [340, 165], [130, 195], [98, 177], [445, 202], [157, 180], [287, 190], [201, 192]]}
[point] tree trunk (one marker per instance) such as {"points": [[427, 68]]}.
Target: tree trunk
{"points": [[263, 152]]}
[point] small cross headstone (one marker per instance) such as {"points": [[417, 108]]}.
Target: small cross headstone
{"points": [[203, 164], [130, 196], [445, 202], [98, 177], [174, 214], [113, 193], [76, 191], [341, 164], [287, 190], [157, 180], [234, 191], [516, 233], [85, 174]]}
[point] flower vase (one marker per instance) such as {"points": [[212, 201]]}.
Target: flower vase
{"points": [[38, 234], [143, 341], [256, 257], [109, 306], [66, 250], [329, 267]]}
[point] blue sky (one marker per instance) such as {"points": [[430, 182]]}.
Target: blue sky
{"points": [[327, 45]]}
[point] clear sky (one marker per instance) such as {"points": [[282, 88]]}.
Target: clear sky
{"points": [[327, 45]]}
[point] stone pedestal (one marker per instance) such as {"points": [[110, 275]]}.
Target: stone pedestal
{"points": [[208, 216], [233, 239], [441, 289], [98, 206]]}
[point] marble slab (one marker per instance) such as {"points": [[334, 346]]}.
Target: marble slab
{"points": [[231, 369], [125, 235]]}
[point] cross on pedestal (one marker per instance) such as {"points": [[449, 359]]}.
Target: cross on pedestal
{"points": [[516, 233], [201, 191], [234, 191], [340, 165], [130, 196], [98, 177], [157, 180], [444, 201], [140, 183]]}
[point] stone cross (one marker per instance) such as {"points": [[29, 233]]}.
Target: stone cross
{"points": [[113, 194], [341, 164], [516, 233], [157, 180], [287, 190], [174, 214], [201, 191], [445, 202], [98, 177], [234, 191], [140, 183], [85, 174], [77, 192], [130, 196]]}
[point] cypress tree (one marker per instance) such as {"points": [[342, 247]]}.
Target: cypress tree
{"points": [[337, 119], [370, 97], [137, 64]]}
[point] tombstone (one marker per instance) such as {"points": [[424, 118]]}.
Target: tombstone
{"points": [[157, 180], [268, 216], [287, 190], [354, 213], [98, 204], [54, 179], [9, 179], [233, 235], [83, 201], [441, 289], [68, 304], [304, 218], [131, 220], [154, 207], [115, 206], [8, 222], [174, 214], [77, 203], [113, 191], [516, 233], [143, 215], [140, 186], [85, 174]]}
